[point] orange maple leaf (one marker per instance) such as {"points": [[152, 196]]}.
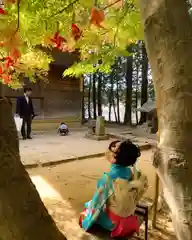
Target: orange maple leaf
{"points": [[3, 11], [76, 32], [58, 40], [1, 70], [15, 54], [7, 79], [97, 17]]}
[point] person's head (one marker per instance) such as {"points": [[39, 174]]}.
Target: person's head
{"points": [[124, 153], [62, 123], [28, 91]]}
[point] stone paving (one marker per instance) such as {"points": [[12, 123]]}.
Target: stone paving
{"points": [[50, 148]]}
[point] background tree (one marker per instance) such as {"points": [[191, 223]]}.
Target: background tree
{"points": [[144, 86], [129, 85]]}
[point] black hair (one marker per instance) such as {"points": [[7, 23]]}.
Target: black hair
{"points": [[127, 154], [27, 90], [62, 123], [113, 144]]}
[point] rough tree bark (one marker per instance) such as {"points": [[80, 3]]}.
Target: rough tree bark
{"points": [[22, 213], [168, 36]]}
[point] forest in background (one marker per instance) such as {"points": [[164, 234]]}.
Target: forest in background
{"points": [[117, 95]]}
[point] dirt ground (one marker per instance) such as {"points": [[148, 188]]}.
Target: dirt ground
{"points": [[66, 187]]}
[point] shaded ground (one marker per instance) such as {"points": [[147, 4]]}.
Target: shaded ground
{"points": [[66, 187]]}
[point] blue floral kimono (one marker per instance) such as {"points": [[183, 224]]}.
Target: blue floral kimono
{"points": [[94, 212]]}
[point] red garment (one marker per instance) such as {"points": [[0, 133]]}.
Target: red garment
{"points": [[125, 227]]}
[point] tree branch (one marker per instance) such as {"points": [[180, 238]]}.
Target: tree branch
{"points": [[65, 8]]}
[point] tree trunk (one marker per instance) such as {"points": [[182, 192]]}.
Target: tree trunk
{"points": [[136, 94], [114, 109], [144, 86], [128, 99], [94, 96], [118, 102], [23, 215], [89, 98], [83, 102], [168, 36], [99, 97], [110, 97]]}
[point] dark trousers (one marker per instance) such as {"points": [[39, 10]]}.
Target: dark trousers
{"points": [[27, 120]]}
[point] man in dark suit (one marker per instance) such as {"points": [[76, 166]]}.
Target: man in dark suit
{"points": [[24, 108]]}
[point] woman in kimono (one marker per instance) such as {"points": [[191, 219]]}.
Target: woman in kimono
{"points": [[118, 191]]}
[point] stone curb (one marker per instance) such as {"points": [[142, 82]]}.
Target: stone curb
{"points": [[143, 147]]}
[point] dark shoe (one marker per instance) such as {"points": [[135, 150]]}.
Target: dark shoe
{"points": [[24, 138], [29, 137]]}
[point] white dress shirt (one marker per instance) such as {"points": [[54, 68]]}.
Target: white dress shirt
{"points": [[27, 98]]}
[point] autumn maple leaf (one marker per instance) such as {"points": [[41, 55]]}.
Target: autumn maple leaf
{"points": [[9, 62], [58, 40], [1, 70], [7, 79], [3, 11], [15, 54], [97, 17], [76, 32]]}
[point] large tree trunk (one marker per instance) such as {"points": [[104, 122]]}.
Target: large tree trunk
{"points": [[22, 213], [128, 99], [168, 36], [99, 92], [144, 85]]}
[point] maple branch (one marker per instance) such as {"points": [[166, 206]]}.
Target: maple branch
{"points": [[65, 8], [111, 4], [18, 19], [18, 14]]}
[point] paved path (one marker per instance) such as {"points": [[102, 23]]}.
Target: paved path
{"points": [[45, 149]]}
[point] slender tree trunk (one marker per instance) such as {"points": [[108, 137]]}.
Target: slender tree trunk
{"points": [[114, 109], [94, 96], [168, 36], [83, 102], [144, 86], [110, 97], [118, 103], [23, 215], [136, 94], [99, 92], [89, 98], [128, 99], [110, 107]]}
